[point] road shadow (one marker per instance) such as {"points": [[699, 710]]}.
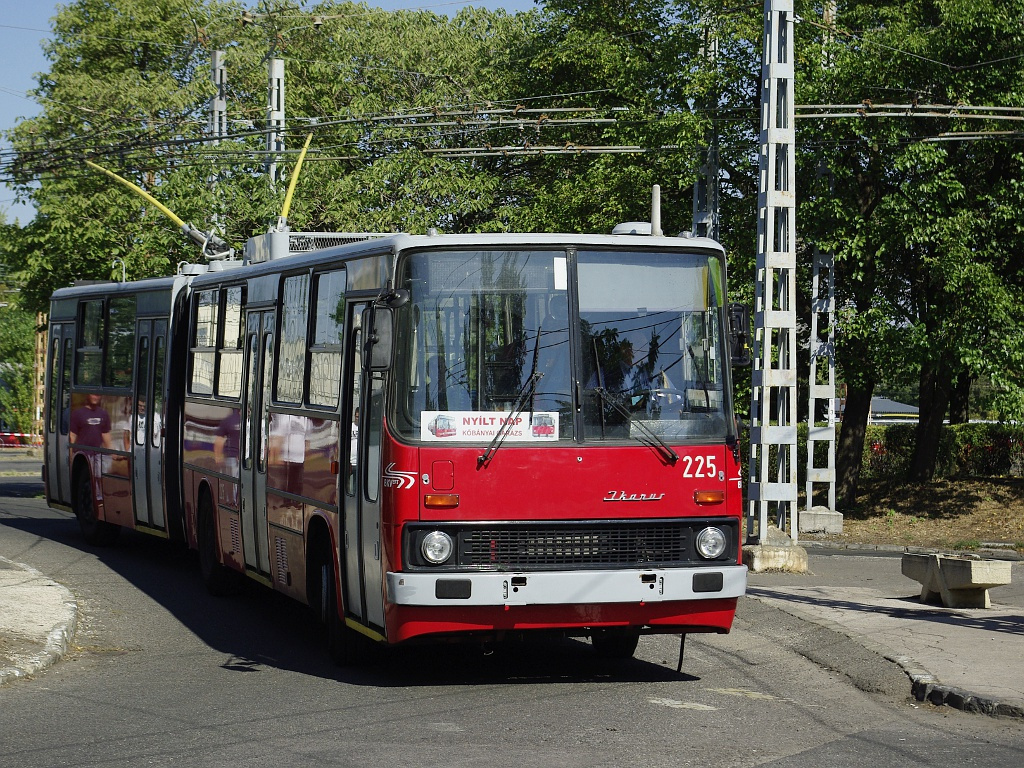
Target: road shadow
{"points": [[1009, 624], [20, 488], [260, 629]]}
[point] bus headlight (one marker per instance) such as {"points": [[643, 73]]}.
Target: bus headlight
{"points": [[711, 543], [436, 547]]}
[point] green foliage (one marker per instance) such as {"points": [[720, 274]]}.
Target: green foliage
{"points": [[922, 230], [925, 234], [17, 366]]}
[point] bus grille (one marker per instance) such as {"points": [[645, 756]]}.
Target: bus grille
{"points": [[523, 547]]}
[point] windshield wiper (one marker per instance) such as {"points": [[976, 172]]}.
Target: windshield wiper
{"points": [[525, 393], [664, 447]]}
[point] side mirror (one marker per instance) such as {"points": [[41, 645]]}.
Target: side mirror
{"points": [[739, 334], [380, 339]]}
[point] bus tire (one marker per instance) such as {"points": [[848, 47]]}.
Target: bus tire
{"points": [[96, 532], [615, 643], [339, 637], [218, 579]]}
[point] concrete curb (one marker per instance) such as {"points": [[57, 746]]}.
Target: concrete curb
{"points": [[55, 643]]}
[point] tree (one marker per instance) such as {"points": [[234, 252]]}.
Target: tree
{"points": [[922, 282], [128, 88]]}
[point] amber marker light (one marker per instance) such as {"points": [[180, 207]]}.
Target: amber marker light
{"points": [[441, 500], [709, 497]]}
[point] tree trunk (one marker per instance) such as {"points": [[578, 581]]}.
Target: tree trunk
{"points": [[851, 442], [936, 384], [959, 399]]}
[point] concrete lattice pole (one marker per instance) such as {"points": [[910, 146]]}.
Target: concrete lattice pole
{"points": [[772, 492]]}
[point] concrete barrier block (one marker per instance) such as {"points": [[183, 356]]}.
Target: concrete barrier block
{"points": [[955, 581]]}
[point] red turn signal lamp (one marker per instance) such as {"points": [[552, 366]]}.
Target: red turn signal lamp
{"points": [[441, 500], [709, 497]]}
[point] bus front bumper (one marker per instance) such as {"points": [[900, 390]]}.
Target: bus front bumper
{"points": [[566, 587]]}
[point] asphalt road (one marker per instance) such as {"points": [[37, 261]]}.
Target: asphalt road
{"points": [[163, 674]]}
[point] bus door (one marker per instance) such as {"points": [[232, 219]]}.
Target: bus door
{"points": [[259, 361], [147, 423], [364, 589], [62, 348]]}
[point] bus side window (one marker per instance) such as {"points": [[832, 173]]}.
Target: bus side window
{"points": [[65, 386], [229, 349], [291, 358], [51, 423], [204, 342], [120, 342], [328, 337], [158, 389], [89, 357]]}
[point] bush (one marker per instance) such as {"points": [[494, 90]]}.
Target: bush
{"points": [[965, 450]]}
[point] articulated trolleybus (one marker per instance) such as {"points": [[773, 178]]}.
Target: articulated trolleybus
{"points": [[422, 437]]}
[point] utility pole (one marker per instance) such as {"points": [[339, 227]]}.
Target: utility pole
{"points": [[218, 125], [772, 492], [822, 380], [705, 191], [275, 117]]}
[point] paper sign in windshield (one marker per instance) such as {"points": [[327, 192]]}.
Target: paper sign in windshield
{"points": [[459, 426]]}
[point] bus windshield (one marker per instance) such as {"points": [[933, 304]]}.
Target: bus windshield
{"points": [[496, 336]]}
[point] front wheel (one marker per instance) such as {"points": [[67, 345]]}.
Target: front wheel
{"points": [[96, 532]]}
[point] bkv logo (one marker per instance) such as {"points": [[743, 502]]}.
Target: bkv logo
{"points": [[395, 479]]}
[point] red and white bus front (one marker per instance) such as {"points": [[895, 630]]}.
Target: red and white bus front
{"points": [[561, 450]]}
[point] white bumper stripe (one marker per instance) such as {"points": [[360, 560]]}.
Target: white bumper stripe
{"points": [[565, 587]]}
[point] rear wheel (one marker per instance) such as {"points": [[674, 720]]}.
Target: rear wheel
{"points": [[218, 579], [97, 532], [615, 643]]}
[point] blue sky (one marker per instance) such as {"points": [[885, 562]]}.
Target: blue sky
{"points": [[25, 24]]}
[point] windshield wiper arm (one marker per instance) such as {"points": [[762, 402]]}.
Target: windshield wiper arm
{"points": [[525, 393], [664, 447]]}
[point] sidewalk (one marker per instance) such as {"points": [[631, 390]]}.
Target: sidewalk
{"points": [[37, 620], [971, 659]]}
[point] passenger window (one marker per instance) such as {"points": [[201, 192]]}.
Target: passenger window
{"points": [[328, 334], [121, 341], [291, 360], [229, 370], [89, 362], [204, 339]]}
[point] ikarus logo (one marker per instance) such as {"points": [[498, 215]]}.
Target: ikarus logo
{"points": [[393, 478]]}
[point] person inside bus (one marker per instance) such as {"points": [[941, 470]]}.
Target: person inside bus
{"points": [[90, 424]]}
